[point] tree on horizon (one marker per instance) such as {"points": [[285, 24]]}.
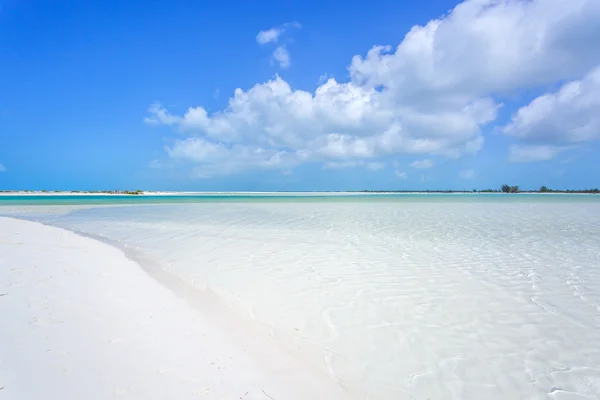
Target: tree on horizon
{"points": [[509, 189]]}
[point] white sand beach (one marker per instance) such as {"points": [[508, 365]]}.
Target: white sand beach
{"points": [[83, 193], [82, 321], [184, 193]]}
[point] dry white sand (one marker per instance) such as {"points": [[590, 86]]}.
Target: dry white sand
{"points": [[40, 193], [82, 321], [164, 193]]}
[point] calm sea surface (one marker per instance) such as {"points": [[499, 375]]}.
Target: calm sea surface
{"points": [[287, 197]]}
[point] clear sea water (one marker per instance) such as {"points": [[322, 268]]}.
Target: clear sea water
{"points": [[396, 296], [91, 199]]}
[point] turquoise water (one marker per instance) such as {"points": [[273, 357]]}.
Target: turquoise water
{"points": [[283, 197]]}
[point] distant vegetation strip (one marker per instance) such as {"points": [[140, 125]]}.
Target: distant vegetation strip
{"points": [[130, 192], [503, 189]]}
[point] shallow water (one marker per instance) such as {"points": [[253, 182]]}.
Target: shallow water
{"points": [[403, 297]]}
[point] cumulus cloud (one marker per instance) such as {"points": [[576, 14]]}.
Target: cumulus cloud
{"points": [[282, 56], [2, 168], [431, 95], [158, 116], [553, 121], [483, 47], [269, 35], [215, 159], [467, 174], [272, 35], [422, 164], [339, 121]]}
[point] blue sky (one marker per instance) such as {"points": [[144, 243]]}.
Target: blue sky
{"points": [[218, 95]]}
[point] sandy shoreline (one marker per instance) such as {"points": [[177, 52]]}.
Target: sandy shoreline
{"points": [[68, 193], [163, 193], [278, 194], [81, 320]]}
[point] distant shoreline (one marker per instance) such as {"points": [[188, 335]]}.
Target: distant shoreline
{"points": [[84, 193], [291, 193]]}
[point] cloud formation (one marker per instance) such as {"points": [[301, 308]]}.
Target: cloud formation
{"points": [[272, 35], [269, 35], [432, 95], [282, 56], [557, 121], [485, 47], [210, 159]]}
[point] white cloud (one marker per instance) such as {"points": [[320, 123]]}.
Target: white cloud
{"points": [[269, 35], [467, 174], [570, 115], [400, 174], [422, 164], [528, 153], [216, 159], [339, 121], [282, 56], [483, 47], [431, 95], [375, 166], [159, 115], [2, 168]]}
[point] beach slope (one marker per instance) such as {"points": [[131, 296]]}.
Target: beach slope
{"points": [[82, 321]]}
